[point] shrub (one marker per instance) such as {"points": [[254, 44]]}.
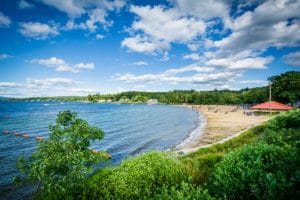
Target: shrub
{"points": [[185, 192], [259, 171], [290, 119], [136, 178], [280, 138], [201, 167]]}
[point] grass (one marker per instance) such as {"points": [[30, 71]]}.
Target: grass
{"points": [[200, 164]]}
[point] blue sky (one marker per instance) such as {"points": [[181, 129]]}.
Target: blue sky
{"points": [[80, 47]]}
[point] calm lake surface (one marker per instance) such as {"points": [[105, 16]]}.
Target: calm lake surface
{"points": [[129, 130]]}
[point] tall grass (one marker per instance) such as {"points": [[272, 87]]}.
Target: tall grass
{"points": [[200, 164]]}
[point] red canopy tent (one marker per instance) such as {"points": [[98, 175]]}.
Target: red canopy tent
{"points": [[273, 104]]}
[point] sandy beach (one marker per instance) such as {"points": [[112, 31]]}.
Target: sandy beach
{"points": [[220, 124]]}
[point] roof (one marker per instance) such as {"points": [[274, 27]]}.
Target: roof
{"points": [[274, 106]]}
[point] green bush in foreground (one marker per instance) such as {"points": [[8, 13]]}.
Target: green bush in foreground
{"points": [[136, 178], [259, 171]]}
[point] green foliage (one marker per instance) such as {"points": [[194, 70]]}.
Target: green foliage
{"points": [[200, 168], [255, 95], [284, 130], [61, 163], [286, 120], [199, 165], [186, 191], [259, 171], [286, 86], [175, 97], [136, 178], [290, 137]]}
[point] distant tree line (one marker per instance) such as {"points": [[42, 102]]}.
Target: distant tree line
{"points": [[250, 96], [58, 98], [285, 89]]}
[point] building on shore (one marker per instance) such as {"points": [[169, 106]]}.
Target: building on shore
{"points": [[271, 105], [152, 101]]}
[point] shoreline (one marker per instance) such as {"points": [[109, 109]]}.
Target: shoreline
{"points": [[191, 138], [221, 123]]}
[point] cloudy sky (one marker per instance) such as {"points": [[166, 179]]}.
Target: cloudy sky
{"points": [[79, 47]]}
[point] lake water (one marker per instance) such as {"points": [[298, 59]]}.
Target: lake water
{"points": [[129, 130]]}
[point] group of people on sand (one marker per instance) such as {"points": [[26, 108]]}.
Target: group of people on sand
{"points": [[223, 121], [224, 109]]}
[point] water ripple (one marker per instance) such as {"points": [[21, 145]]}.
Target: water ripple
{"points": [[130, 130]]}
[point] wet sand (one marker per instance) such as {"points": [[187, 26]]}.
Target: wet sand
{"points": [[222, 123]]}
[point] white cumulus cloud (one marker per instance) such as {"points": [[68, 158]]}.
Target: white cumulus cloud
{"points": [[292, 59], [160, 28], [97, 16], [198, 78], [57, 86], [197, 75], [96, 11], [144, 44], [246, 63], [53, 61], [273, 23], [193, 56], [203, 9], [61, 65], [71, 7], [85, 66], [37, 30], [66, 68]]}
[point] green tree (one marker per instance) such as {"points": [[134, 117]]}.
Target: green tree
{"points": [[61, 162], [139, 98], [255, 95], [286, 87]]}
